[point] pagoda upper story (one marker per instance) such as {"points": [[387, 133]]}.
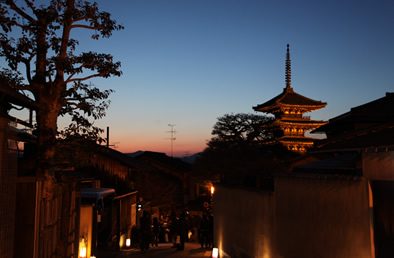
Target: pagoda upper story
{"points": [[289, 108]]}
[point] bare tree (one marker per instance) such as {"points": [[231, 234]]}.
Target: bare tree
{"points": [[241, 151], [37, 40], [240, 129]]}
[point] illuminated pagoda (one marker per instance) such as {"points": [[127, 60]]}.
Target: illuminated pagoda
{"points": [[289, 108]]}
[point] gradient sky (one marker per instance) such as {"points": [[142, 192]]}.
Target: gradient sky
{"points": [[188, 62]]}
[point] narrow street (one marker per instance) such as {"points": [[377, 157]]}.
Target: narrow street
{"points": [[192, 249]]}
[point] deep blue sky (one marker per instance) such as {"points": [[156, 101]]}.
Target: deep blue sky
{"points": [[187, 62]]}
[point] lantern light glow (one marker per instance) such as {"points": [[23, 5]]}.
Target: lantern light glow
{"points": [[82, 248], [215, 252]]}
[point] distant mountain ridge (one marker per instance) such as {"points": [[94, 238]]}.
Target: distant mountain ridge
{"points": [[135, 154], [192, 158], [188, 159]]}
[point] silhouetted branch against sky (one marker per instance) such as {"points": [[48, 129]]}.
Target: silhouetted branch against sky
{"points": [[36, 38]]}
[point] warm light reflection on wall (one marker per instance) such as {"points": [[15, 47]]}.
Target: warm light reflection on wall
{"points": [[262, 242], [123, 240], [219, 239]]}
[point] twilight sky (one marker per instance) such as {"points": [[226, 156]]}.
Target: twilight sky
{"points": [[188, 62]]}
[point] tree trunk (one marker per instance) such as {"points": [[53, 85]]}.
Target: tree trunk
{"points": [[47, 115], [47, 128]]}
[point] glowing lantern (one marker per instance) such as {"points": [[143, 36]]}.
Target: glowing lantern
{"points": [[128, 242], [212, 189], [215, 253], [82, 248]]}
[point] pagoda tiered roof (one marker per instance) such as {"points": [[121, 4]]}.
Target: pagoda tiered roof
{"points": [[290, 98], [288, 108]]}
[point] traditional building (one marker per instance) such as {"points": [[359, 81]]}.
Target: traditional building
{"points": [[289, 108], [340, 205]]}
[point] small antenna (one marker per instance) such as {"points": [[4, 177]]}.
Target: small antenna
{"points": [[172, 131]]}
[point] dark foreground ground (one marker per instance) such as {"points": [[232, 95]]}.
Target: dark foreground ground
{"points": [[163, 250]]}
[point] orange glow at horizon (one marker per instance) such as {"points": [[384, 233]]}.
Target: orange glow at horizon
{"points": [[127, 139], [180, 148]]}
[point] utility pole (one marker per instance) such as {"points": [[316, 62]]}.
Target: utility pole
{"points": [[172, 131], [107, 136], [108, 145]]}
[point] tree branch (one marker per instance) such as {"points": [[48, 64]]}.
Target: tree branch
{"points": [[85, 78], [21, 87], [86, 27], [22, 13], [73, 104], [6, 20], [30, 4], [76, 99], [28, 70], [75, 72], [80, 19]]}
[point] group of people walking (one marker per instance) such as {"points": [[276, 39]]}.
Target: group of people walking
{"points": [[178, 230], [205, 231], [175, 229]]}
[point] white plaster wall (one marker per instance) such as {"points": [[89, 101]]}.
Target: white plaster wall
{"points": [[243, 222], [322, 217]]}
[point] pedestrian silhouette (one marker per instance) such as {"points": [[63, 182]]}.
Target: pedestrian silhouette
{"points": [[146, 231], [156, 231]]}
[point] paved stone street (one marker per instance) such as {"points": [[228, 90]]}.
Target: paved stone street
{"points": [[163, 250]]}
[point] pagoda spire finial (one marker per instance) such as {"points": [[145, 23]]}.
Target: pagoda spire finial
{"points": [[288, 68]]}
